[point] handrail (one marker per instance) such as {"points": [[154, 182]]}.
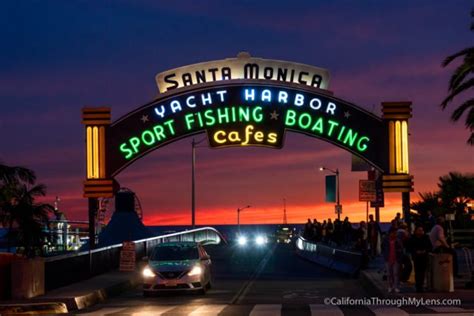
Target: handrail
{"points": [[319, 245], [87, 252], [182, 233], [333, 258]]}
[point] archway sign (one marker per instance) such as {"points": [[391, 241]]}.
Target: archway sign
{"points": [[241, 102]]}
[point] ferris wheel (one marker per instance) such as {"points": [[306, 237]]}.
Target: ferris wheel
{"points": [[107, 207]]}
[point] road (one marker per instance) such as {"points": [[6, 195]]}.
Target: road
{"points": [[257, 282]]}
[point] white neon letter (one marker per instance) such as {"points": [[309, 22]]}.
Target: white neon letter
{"points": [[250, 94]]}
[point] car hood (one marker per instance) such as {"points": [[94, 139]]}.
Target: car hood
{"points": [[179, 265]]}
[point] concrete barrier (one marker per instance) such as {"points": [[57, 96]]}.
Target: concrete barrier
{"points": [[53, 308], [348, 262]]}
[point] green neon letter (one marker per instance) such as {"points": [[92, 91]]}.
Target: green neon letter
{"points": [[257, 114], [303, 117], [362, 143], [290, 118], [148, 138], [127, 151], [189, 118], [244, 114], [351, 137], [331, 128], [159, 132], [318, 126], [223, 116], [135, 142], [210, 120], [170, 126]]}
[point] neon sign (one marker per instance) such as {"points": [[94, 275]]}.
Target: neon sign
{"points": [[246, 101], [243, 67], [245, 115]]}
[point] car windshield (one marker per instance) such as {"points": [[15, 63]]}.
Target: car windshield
{"points": [[175, 252]]}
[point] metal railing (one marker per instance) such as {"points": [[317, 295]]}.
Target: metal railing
{"points": [[345, 261], [74, 267], [463, 237]]}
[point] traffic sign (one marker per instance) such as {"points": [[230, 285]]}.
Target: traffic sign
{"points": [[367, 191]]}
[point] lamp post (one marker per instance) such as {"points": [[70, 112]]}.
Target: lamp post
{"points": [[338, 204], [240, 209], [193, 180]]}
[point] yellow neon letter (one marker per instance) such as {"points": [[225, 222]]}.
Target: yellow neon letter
{"points": [[248, 132], [216, 137]]}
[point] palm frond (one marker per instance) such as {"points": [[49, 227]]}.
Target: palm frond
{"points": [[459, 74], [452, 57], [470, 140], [470, 119], [464, 86], [9, 174], [459, 111], [37, 190]]}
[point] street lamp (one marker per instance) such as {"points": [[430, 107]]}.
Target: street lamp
{"points": [[193, 181], [338, 204], [240, 209]]}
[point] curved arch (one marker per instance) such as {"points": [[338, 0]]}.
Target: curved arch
{"points": [[246, 113]]}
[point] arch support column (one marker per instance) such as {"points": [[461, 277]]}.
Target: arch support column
{"points": [[97, 184], [398, 179]]}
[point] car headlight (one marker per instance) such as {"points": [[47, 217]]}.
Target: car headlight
{"points": [[196, 270], [260, 240], [242, 240], [148, 273]]}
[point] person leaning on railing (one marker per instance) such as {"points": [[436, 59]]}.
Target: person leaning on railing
{"points": [[440, 245]]}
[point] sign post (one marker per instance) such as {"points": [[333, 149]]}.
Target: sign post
{"points": [[367, 194], [367, 190], [127, 256]]}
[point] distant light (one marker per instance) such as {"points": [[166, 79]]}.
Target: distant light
{"points": [[242, 240], [260, 240], [321, 168]]}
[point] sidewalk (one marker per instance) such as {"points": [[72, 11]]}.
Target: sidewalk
{"points": [[372, 280], [75, 296]]}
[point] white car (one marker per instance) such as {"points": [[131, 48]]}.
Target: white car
{"points": [[177, 266]]}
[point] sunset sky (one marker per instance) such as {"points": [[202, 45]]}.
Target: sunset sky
{"points": [[59, 56]]}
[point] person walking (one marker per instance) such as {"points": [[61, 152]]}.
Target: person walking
{"points": [[329, 231], [361, 243], [392, 250], [373, 232], [419, 246], [308, 230], [347, 231]]}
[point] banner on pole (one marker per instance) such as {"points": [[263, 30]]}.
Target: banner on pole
{"points": [[331, 189]]}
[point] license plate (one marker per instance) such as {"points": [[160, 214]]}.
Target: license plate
{"points": [[171, 283]]}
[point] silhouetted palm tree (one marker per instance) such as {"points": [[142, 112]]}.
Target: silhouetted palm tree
{"points": [[16, 174], [31, 218], [429, 201], [18, 206], [455, 191], [461, 81]]}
